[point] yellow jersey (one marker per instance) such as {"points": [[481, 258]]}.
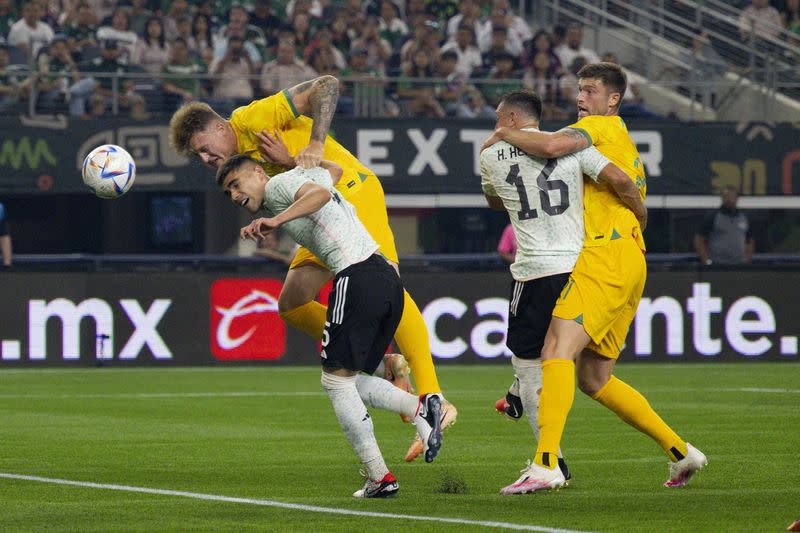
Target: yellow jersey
{"points": [[278, 112], [605, 216]]}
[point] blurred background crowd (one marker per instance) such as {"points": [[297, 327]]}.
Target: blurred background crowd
{"points": [[431, 58]]}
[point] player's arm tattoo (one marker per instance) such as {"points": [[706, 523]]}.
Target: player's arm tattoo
{"points": [[572, 140], [546, 144], [319, 96]]}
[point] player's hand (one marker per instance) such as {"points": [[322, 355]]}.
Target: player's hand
{"points": [[274, 149], [311, 155], [494, 138], [259, 228]]}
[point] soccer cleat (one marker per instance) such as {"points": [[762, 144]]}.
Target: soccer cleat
{"points": [[397, 371], [562, 465], [511, 406], [449, 415], [429, 425], [533, 478], [385, 488], [681, 472]]}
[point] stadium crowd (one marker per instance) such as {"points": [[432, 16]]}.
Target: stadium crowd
{"points": [[155, 54]]}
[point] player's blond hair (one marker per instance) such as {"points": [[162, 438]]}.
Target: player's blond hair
{"points": [[188, 120]]}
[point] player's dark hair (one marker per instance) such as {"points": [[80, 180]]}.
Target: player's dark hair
{"points": [[188, 120], [526, 101], [232, 164], [610, 74]]}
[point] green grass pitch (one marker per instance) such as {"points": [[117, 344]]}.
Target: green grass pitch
{"points": [[269, 433]]}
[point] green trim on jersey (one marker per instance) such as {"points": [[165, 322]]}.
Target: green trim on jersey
{"points": [[291, 104], [585, 134]]}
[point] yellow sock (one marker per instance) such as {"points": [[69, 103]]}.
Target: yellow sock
{"points": [[308, 318], [412, 339], [634, 409], [558, 392]]}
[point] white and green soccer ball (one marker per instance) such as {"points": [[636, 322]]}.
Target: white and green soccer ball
{"points": [[109, 171]]}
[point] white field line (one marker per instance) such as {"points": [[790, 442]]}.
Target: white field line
{"points": [[278, 394], [283, 505]]}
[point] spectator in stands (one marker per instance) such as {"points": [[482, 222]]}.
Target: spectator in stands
{"points": [[239, 18], [139, 15], [12, 85], [468, 15], [8, 15], [83, 31], [475, 106], [518, 27], [541, 42], [322, 61], [502, 79], [419, 96], [725, 236], [469, 57], [371, 86], [391, 26], [232, 72], [151, 51], [790, 16], [202, 37], [499, 46], [119, 31], [301, 25], [507, 247], [29, 31], [286, 70], [353, 12], [5, 238], [499, 18], [415, 7], [177, 9], [557, 38], [568, 86], [237, 30], [184, 28], [111, 61], [573, 47], [174, 73], [57, 73], [313, 8], [441, 9], [378, 49], [339, 35], [450, 93], [542, 78], [323, 49], [761, 21]]}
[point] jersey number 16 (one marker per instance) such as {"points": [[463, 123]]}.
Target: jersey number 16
{"points": [[544, 187]]}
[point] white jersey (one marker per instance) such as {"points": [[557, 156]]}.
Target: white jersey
{"points": [[544, 199], [333, 233]]}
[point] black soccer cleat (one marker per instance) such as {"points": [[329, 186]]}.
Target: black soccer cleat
{"points": [[562, 465], [429, 425], [511, 406]]}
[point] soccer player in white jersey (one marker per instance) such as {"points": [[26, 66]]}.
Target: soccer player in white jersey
{"points": [[363, 309], [544, 200]]}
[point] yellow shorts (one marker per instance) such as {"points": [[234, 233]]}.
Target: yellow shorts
{"points": [[603, 293], [370, 204]]}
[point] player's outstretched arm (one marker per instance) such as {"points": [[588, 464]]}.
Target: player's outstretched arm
{"points": [[627, 191], [309, 199], [542, 143], [317, 97]]}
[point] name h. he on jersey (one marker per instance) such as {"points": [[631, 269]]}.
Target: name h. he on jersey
{"points": [[513, 151]]}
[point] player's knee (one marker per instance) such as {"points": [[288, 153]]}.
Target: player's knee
{"points": [[589, 385], [292, 298]]}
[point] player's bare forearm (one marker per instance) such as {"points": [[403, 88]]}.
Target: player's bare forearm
{"points": [[545, 143], [627, 191], [319, 97]]}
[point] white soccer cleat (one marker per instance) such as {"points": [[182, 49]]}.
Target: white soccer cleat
{"points": [[681, 472], [385, 488], [449, 416], [534, 478]]}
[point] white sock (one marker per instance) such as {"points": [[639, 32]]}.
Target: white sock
{"points": [[529, 374], [381, 394], [356, 422]]}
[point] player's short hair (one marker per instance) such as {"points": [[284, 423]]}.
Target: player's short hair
{"points": [[526, 101], [610, 74], [232, 164], [188, 120]]}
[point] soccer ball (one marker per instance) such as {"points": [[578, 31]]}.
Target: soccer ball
{"points": [[109, 171]]}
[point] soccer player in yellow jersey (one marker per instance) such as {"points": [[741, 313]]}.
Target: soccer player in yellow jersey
{"points": [[198, 130], [597, 305]]}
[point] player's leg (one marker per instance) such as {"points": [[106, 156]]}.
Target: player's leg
{"points": [[296, 303]]}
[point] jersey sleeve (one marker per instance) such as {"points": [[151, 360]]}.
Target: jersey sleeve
{"points": [[282, 188], [270, 113], [591, 127], [592, 162], [487, 171]]}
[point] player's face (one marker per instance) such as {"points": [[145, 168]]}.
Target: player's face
{"points": [[594, 98], [213, 145], [245, 187]]}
